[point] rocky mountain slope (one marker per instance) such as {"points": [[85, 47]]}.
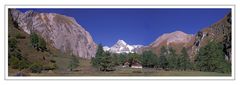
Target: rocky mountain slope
{"points": [[177, 40], [172, 38], [50, 59], [219, 32], [62, 32], [122, 47]]}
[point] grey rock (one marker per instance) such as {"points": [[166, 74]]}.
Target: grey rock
{"points": [[62, 32]]}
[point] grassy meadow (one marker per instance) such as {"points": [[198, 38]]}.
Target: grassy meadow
{"points": [[85, 69]]}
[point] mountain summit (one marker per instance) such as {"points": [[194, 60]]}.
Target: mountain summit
{"points": [[122, 47], [172, 38], [177, 40], [120, 43]]}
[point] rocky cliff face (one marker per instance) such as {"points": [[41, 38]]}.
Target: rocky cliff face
{"points": [[62, 32], [219, 32]]}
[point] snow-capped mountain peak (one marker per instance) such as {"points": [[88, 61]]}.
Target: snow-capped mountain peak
{"points": [[122, 47], [121, 42]]}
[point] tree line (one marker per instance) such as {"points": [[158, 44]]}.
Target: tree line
{"points": [[210, 58]]}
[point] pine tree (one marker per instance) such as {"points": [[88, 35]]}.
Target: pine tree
{"points": [[106, 63], [95, 61], [172, 59], [149, 59], [163, 63], [103, 60], [34, 39], [211, 58], [184, 61]]}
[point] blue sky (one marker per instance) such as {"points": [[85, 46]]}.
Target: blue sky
{"points": [[139, 26]]}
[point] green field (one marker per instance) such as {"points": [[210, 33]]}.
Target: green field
{"points": [[134, 72], [85, 69]]}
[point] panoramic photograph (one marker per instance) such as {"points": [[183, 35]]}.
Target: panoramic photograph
{"points": [[119, 42]]}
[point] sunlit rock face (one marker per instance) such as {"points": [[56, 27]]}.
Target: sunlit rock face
{"points": [[62, 32]]}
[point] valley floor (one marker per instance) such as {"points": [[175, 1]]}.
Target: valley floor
{"points": [[129, 72], [134, 72], [85, 69]]}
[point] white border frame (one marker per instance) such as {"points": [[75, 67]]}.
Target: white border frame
{"points": [[6, 77]]}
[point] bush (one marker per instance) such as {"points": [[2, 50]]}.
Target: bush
{"points": [[12, 44], [16, 60], [23, 64], [52, 61], [42, 45], [19, 36], [74, 63], [38, 42], [36, 68], [50, 66], [20, 64]]}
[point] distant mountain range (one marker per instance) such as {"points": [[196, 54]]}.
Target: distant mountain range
{"points": [[167, 39], [65, 34], [122, 47]]}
